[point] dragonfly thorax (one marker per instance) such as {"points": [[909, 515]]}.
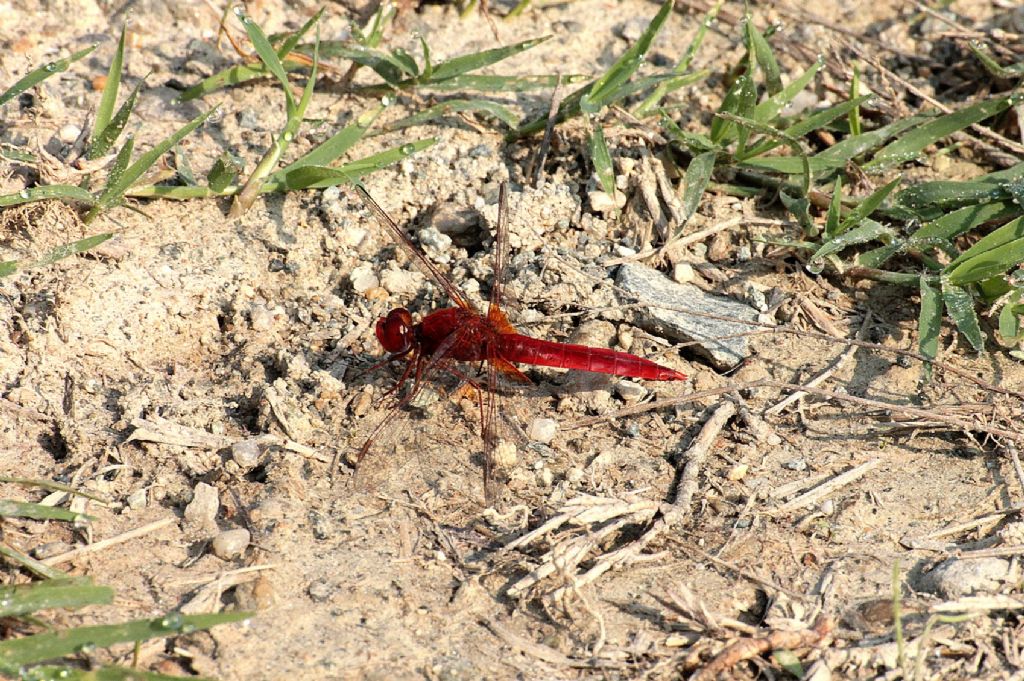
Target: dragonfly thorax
{"points": [[395, 331]]}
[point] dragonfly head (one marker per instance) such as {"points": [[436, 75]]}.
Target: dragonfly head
{"points": [[395, 331]]}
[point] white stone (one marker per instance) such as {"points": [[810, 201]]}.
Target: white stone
{"points": [[202, 510], [363, 279], [69, 133], [542, 430], [630, 391], [230, 543]]}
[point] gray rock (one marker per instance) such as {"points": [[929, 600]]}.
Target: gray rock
{"points": [[230, 543], [958, 577], [651, 287], [542, 430], [202, 510], [246, 453], [321, 590]]}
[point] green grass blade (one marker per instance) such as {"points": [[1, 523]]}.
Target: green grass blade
{"points": [[178, 193], [108, 100], [653, 100], [318, 177], [939, 196], [183, 167], [747, 124], [854, 118], [483, 83], [868, 206], [941, 232], [36, 76], [54, 486], [67, 192], [859, 145], [791, 165], [929, 321], [264, 169], [698, 175], [293, 39], [38, 568], [815, 121], [121, 161], [104, 140], [769, 109], [991, 65], [428, 66], [834, 215], [74, 593], [625, 66], [869, 230], [695, 142], [372, 35], [602, 160], [333, 148], [53, 645], [463, 64], [992, 255], [960, 306], [114, 193], [738, 101], [23, 509], [757, 44], [231, 76], [800, 207], [102, 674], [59, 253], [962, 220], [14, 154], [224, 171], [451, 106], [909, 147], [1010, 318], [266, 52]]}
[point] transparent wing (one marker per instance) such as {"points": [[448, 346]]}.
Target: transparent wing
{"points": [[403, 240]]}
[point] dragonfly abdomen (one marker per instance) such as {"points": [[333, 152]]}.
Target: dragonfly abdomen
{"points": [[526, 350]]}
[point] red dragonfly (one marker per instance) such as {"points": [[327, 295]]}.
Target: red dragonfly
{"points": [[462, 333]]}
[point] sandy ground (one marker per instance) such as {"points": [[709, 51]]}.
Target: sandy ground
{"points": [[261, 327]]}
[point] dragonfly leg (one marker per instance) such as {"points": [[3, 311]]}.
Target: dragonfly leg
{"points": [[466, 380]]}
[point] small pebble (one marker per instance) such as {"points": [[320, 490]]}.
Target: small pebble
{"points": [[320, 590], [202, 510], [137, 499], [630, 391], [795, 465], [959, 577], [363, 279], [230, 543], [633, 29], [246, 453], [545, 477], [682, 272], [69, 133], [330, 194], [261, 318], [542, 430], [401, 282], [601, 202], [737, 472], [505, 454], [625, 337]]}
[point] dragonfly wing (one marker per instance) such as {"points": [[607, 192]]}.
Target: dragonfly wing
{"points": [[403, 240], [375, 467]]}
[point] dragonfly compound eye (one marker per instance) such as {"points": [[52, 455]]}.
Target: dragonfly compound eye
{"points": [[395, 331]]}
